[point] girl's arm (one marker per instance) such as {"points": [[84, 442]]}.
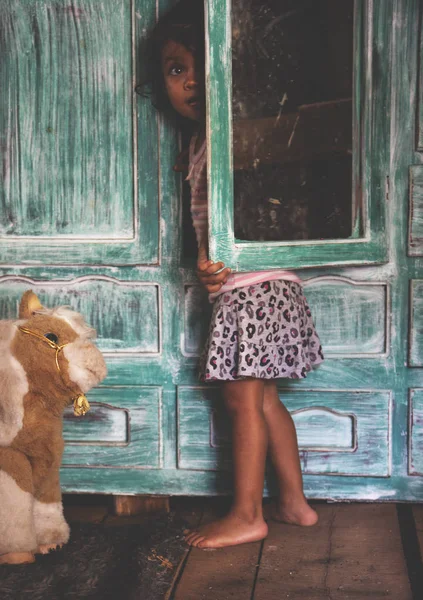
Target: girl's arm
{"points": [[212, 275]]}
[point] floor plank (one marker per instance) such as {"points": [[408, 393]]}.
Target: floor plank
{"points": [[418, 519], [410, 520], [294, 560], [368, 554], [192, 511], [224, 574], [355, 551]]}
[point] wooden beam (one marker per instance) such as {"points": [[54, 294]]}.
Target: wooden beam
{"points": [[138, 505]]}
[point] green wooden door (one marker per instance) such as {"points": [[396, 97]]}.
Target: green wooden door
{"points": [[91, 217], [358, 416], [86, 220]]}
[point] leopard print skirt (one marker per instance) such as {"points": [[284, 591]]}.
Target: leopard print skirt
{"points": [[264, 331]]}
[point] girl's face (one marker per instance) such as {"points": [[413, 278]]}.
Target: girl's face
{"points": [[183, 82]]}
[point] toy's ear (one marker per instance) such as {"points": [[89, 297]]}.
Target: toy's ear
{"points": [[29, 304]]}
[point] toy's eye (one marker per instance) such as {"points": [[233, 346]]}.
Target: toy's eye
{"points": [[52, 337]]}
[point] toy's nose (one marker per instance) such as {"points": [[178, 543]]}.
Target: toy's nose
{"points": [[86, 366]]}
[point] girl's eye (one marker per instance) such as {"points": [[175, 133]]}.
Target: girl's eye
{"points": [[175, 70], [52, 337]]}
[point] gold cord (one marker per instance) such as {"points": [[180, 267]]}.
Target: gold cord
{"points": [[80, 402], [47, 341]]}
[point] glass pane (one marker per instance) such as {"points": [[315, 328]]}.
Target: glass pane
{"points": [[292, 119]]}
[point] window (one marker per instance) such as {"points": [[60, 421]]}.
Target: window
{"points": [[297, 127]]}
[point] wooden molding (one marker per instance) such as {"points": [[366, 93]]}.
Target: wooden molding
{"points": [[126, 506]]}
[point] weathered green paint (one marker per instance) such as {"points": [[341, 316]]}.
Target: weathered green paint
{"points": [[352, 316], [416, 433], [70, 139], [126, 315], [420, 98], [357, 445], [199, 483], [151, 430], [416, 324], [137, 442], [415, 237], [104, 424], [406, 17]]}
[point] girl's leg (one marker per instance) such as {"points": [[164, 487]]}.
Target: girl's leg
{"points": [[292, 507], [244, 523]]}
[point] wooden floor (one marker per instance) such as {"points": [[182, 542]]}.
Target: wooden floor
{"points": [[356, 551]]}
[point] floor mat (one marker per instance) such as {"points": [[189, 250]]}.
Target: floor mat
{"points": [[123, 562]]}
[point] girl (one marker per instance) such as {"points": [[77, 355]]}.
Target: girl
{"points": [[261, 327]]}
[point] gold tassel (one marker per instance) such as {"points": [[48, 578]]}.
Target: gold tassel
{"points": [[80, 405]]}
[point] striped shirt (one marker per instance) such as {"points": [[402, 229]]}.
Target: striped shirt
{"points": [[197, 176]]}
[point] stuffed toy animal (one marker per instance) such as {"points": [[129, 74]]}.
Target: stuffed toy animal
{"points": [[47, 361]]}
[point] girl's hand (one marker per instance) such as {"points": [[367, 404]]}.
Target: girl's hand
{"points": [[207, 272]]}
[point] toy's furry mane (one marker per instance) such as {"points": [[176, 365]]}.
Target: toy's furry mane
{"points": [[13, 379]]}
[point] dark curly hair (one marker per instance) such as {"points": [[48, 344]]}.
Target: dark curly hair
{"points": [[184, 24]]}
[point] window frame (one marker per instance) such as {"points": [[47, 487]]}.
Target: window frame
{"points": [[370, 150]]}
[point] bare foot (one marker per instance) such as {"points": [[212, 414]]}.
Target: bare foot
{"points": [[46, 548], [229, 531], [296, 512], [17, 558]]}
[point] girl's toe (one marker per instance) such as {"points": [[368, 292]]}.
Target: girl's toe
{"points": [[191, 536], [193, 539], [196, 543]]}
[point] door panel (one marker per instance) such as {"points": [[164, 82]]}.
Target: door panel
{"points": [[352, 317], [69, 138], [340, 433], [126, 315], [415, 358], [121, 430], [415, 466], [415, 233]]}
